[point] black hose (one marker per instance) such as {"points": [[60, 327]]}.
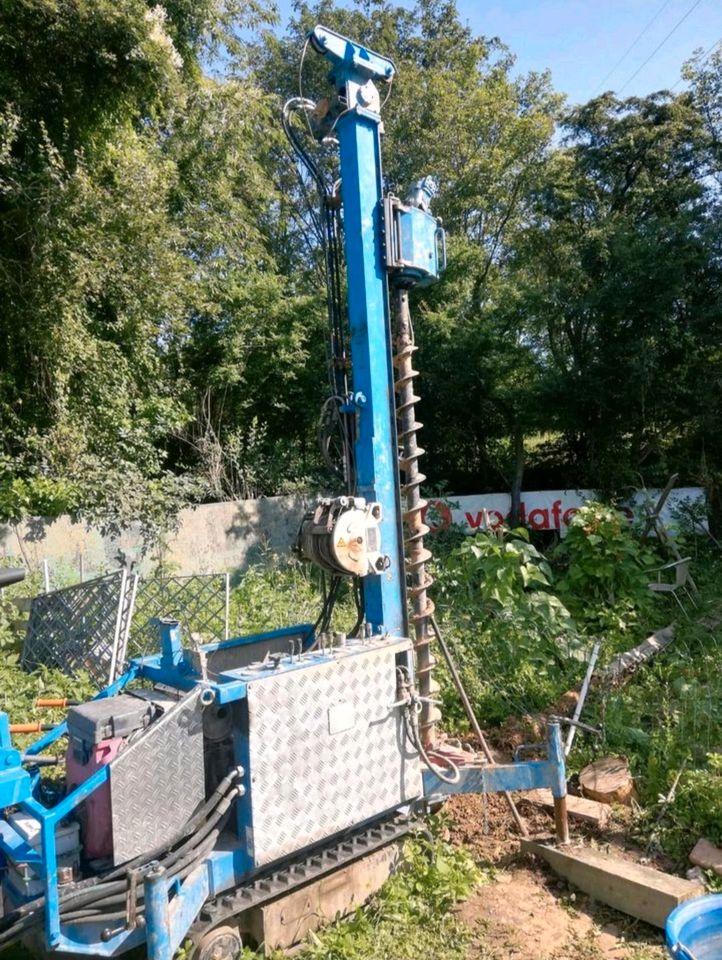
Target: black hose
{"points": [[109, 888], [189, 826], [180, 871], [99, 888], [83, 885]]}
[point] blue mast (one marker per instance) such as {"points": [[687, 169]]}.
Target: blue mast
{"points": [[358, 126]]}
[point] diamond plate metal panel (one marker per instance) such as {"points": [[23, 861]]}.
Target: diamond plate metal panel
{"points": [[158, 781], [327, 751], [83, 627]]}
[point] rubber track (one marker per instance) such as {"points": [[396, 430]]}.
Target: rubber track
{"points": [[284, 879]]}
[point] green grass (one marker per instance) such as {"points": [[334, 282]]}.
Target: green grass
{"points": [[412, 918]]}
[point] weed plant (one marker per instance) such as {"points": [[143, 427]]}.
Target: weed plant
{"points": [[412, 918]]}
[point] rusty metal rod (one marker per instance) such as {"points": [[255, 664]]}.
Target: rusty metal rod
{"points": [[469, 710], [561, 820]]}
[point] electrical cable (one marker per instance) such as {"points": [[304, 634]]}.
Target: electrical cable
{"points": [[632, 45], [191, 860], [411, 729], [659, 45], [338, 359], [300, 77], [412, 732]]}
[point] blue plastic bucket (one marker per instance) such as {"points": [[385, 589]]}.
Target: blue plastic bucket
{"points": [[694, 929]]}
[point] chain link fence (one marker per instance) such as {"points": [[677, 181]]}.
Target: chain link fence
{"points": [[97, 626]]}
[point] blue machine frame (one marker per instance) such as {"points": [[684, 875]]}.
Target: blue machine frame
{"points": [[171, 909]]}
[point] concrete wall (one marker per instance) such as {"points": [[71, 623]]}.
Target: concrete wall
{"points": [[210, 538], [219, 537]]}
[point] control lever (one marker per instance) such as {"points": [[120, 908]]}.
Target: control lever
{"points": [[568, 721]]}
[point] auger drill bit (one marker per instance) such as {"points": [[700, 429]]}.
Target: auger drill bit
{"points": [[417, 555]]}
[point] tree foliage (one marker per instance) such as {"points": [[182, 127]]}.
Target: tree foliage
{"points": [[163, 318]]}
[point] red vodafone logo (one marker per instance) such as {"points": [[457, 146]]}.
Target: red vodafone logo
{"points": [[437, 515]]}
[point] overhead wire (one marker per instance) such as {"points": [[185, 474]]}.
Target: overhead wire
{"points": [[659, 46], [632, 45]]}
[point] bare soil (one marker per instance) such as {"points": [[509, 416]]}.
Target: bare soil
{"points": [[524, 911]]}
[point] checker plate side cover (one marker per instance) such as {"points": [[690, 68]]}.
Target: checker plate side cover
{"points": [[158, 781], [307, 783]]}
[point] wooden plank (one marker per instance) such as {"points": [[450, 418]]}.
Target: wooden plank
{"points": [[639, 891], [286, 921], [587, 811], [627, 662]]}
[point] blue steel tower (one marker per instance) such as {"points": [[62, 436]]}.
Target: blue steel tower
{"points": [[354, 118]]}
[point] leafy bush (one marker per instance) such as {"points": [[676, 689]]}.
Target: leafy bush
{"points": [[511, 580], [605, 562], [514, 638], [36, 496], [606, 571]]}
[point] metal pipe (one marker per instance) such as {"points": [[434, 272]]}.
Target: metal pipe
{"points": [[561, 820], [555, 757], [469, 710], [157, 919], [582, 697]]}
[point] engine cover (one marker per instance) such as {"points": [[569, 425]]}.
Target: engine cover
{"points": [[342, 535]]}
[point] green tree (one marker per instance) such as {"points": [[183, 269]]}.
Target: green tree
{"points": [[455, 112], [609, 277], [144, 311]]}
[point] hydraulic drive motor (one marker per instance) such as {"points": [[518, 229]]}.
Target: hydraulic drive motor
{"points": [[342, 535]]}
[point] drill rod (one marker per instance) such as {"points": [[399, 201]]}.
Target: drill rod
{"points": [[417, 555], [469, 710]]}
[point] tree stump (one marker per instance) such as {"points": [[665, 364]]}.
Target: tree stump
{"points": [[608, 781]]}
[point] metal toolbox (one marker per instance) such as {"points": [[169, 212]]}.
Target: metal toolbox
{"points": [[327, 750]]}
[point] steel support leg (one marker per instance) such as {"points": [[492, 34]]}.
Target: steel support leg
{"points": [[157, 917]]}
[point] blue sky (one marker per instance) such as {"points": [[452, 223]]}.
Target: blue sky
{"points": [[580, 41]]}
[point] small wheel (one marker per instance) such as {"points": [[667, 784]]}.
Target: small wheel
{"points": [[221, 943]]}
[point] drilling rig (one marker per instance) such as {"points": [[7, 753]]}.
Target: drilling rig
{"points": [[230, 793]]}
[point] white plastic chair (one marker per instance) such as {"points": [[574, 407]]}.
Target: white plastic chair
{"points": [[680, 584]]}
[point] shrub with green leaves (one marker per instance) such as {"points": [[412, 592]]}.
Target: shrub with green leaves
{"points": [[515, 639], [606, 566], [510, 579]]}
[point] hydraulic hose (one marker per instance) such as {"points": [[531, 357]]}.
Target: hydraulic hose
{"points": [[181, 870], [194, 848], [82, 886], [190, 826], [97, 890], [112, 887], [412, 732]]}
